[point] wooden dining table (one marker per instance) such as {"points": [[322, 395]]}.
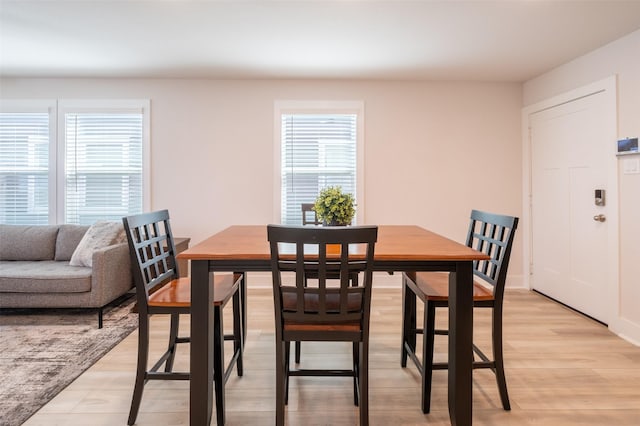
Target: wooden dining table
{"points": [[244, 248]]}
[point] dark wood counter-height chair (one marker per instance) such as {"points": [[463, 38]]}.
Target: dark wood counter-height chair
{"points": [[329, 310], [489, 233], [309, 216], [160, 290]]}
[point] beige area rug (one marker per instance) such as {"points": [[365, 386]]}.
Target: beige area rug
{"points": [[44, 350]]}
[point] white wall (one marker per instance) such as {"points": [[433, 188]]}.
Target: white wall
{"points": [[621, 58], [433, 151]]}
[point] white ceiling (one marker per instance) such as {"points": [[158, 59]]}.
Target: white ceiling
{"points": [[508, 40]]}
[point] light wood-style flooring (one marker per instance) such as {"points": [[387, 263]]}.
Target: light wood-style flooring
{"points": [[562, 369]]}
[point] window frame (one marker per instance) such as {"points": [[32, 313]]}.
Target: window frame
{"points": [[318, 107]]}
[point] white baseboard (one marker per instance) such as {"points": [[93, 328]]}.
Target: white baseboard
{"points": [[626, 329]]}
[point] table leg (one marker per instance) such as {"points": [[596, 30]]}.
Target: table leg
{"points": [[408, 323], [460, 343], [243, 302], [201, 385]]}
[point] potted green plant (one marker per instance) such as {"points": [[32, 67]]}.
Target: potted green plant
{"points": [[335, 207]]}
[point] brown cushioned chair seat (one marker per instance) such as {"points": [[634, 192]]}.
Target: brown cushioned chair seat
{"points": [[311, 302]]}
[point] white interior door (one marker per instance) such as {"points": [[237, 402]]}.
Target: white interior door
{"points": [[569, 150]]}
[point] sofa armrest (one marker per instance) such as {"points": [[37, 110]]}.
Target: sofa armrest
{"points": [[111, 273]]}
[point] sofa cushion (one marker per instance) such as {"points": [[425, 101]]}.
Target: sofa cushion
{"points": [[69, 236], [101, 234], [26, 242], [45, 276]]}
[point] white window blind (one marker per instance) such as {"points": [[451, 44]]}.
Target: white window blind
{"points": [[103, 166], [24, 168], [318, 150]]}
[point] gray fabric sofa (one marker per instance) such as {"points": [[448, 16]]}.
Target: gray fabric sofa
{"points": [[35, 270]]}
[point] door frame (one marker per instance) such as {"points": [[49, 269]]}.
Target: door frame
{"points": [[609, 87]]}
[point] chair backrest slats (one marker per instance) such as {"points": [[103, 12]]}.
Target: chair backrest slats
{"points": [[152, 251], [493, 235], [321, 252]]}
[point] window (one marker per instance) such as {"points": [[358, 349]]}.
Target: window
{"points": [[319, 145], [103, 166], [94, 168], [26, 129]]}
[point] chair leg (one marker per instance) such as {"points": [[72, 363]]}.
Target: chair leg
{"points": [[363, 382], [427, 355], [287, 355], [408, 322], [218, 363], [141, 371], [173, 336], [499, 358], [356, 372], [238, 336], [297, 354], [298, 345], [280, 379]]}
